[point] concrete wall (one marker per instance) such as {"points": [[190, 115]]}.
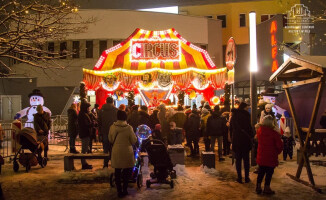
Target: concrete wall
{"points": [[118, 24], [215, 41]]}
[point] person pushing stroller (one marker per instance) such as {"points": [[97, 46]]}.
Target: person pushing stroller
{"points": [[42, 125]]}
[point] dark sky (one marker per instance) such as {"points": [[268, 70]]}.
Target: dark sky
{"points": [[137, 4]]}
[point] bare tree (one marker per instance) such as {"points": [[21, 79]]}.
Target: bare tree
{"points": [[26, 26]]}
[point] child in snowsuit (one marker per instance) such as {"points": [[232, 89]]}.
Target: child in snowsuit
{"points": [[288, 143]]}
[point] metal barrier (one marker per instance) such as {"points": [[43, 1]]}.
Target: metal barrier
{"points": [[58, 135], [8, 144]]}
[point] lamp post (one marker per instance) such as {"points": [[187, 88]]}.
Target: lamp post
{"points": [[253, 66]]}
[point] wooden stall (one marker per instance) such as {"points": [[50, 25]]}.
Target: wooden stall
{"points": [[295, 72]]}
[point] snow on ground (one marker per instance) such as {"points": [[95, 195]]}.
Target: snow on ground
{"points": [[193, 182]]}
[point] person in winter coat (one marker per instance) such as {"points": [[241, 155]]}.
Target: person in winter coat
{"points": [[242, 136], [42, 126], [153, 120], [94, 130], [175, 134], [269, 146], [226, 143], [133, 117], [179, 117], [288, 143], [106, 117], [143, 116], [204, 116], [72, 127], [122, 137], [163, 121], [85, 129], [192, 126], [216, 128], [323, 120]]}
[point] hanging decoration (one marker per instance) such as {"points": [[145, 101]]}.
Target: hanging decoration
{"points": [[164, 80], [200, 82], [110, 82]]}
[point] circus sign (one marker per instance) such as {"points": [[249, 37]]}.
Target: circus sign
{"points": [[155, 50]]}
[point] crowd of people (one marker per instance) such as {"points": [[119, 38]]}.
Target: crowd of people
{"points": [[232, 130]]}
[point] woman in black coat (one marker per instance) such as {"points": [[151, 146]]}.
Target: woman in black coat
{"points": [[242, 135], [191, 127], [85, 130], [72, 127]]}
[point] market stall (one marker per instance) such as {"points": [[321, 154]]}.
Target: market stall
{"points": [[154, 64]]}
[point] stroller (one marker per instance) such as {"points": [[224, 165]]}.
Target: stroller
{"points": [[143, 133], [28, 140], [163, 167]]}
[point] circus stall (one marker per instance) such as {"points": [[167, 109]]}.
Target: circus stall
{"points": [[155, 65]]}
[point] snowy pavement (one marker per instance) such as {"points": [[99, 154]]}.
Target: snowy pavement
{"points": [[193, 182]]}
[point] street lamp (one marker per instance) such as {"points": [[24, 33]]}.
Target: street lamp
{"points": [[253, 66]]}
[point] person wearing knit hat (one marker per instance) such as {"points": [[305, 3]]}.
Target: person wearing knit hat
{"points": [[288, 143]]}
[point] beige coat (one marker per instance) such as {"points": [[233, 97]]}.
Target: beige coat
{"points": [[122, 151]]}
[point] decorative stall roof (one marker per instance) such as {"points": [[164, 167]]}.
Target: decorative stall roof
{"points": [[172, 54], [300, 68], [155, 64]]}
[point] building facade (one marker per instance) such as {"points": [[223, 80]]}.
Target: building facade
{"points": [[110, 28]]}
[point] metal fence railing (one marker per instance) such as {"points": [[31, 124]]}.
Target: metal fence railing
{"points": [[58, 136], [8, 143]]}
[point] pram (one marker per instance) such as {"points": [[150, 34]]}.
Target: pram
{"points": [[143, 133], [28, 140], [160, 159]]}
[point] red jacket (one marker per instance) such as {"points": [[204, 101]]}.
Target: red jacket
{"points": [[269, 146]]}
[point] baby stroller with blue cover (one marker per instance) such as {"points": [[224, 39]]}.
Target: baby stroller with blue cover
{"points": [[28, 140], [143, 133]]}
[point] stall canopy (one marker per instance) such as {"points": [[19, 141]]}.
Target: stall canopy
{"points": [[154, 64]]}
